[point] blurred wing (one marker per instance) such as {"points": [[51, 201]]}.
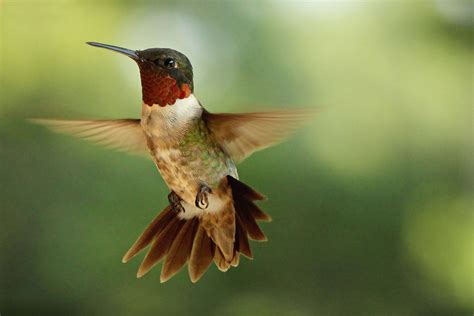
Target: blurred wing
{"points": [[123, 135], [242, 134]]}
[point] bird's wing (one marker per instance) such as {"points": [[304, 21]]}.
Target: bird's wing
{"points": [[123, 135], [242, 134]]}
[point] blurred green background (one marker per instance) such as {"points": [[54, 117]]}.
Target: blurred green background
{"points": [[372, 202]]}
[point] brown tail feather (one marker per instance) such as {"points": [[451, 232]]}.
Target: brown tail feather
{"points": [[244, 190], [236, 260], [221, 228], [180, 250], [180, 240], [202, 255], [247, 214], [250, 225], [160, 246], [158, 224], [220, 261], [241, 237], [257, 213], [220, 225]]}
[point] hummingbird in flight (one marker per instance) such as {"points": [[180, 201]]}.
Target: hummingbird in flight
{"points": [[211, 215]]}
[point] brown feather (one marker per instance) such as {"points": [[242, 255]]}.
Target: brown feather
{"points": [[256, 212], [235, 260], [241, 189], [201, 255], [242, 134], [250, 225], [180, 250], [150, 232], [236, 257], [244, 245], [220, 261], [220, 237], [123, 134], [221, 228], [160, 246]]}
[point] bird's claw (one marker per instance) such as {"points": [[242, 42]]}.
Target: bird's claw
{"points": [[202, 197], [175, 202]]}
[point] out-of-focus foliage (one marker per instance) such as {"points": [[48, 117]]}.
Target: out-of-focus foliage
{"points": [[372, 203]]}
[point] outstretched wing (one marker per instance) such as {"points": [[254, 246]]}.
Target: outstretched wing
{"points": [[123, 135], [242, 134]]}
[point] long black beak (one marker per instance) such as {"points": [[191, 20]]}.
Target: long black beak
{"points": [[128, 52]]}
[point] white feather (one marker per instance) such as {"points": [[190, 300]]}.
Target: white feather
{"points": [[157, 120]]}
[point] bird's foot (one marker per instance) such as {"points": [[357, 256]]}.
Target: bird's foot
{"points": [[175, 202], [202, 197]]}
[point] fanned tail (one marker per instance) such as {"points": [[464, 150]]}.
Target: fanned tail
{"points": [[177, 241]]}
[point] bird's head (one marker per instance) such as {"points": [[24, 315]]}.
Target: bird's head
{"points": [[166, 74]]}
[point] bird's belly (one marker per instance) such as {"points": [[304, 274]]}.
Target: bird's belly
{"points": [[184, 171]]}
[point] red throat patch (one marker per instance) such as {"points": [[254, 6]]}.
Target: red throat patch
{"points": [[160, 88]]}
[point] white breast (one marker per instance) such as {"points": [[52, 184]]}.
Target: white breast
{"points": [[157, 120]]}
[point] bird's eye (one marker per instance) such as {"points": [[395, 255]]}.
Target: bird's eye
{"points": [[169, 63]]}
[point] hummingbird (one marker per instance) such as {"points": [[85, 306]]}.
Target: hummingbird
{"points": [[211, 215]]}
